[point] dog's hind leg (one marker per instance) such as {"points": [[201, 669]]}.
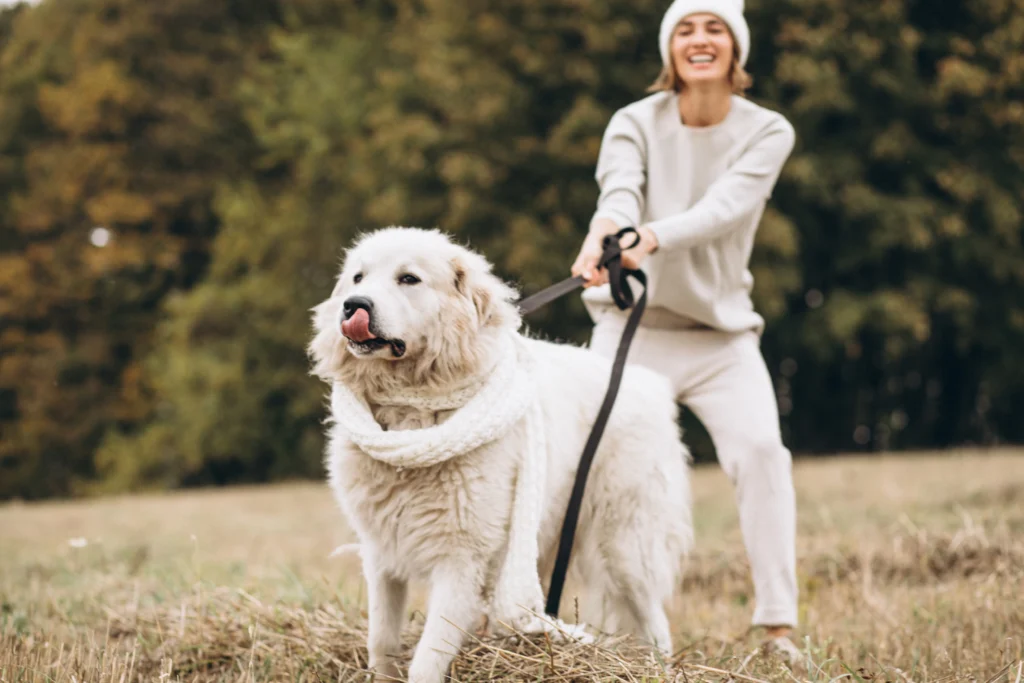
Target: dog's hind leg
{"points": [[386, 597], [640, 578], [647, 620], [455, 605]]}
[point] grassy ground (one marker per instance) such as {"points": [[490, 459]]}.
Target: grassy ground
{"points": [[911, 569]]}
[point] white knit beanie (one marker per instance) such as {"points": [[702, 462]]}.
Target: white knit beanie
{"points": [[729, 11]]}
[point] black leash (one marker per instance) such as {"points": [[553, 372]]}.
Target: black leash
{"points": [[611, 259]]}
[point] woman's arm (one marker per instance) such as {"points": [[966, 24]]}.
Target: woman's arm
{"points": [[621, 175], [621, 172], [748, 182]]}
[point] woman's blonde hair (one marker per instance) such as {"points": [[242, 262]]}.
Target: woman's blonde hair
{"points": [[669, 79]]}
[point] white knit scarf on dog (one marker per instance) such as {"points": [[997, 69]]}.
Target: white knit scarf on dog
{"points": [[484, 412]]}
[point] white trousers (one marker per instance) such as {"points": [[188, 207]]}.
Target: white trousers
{"points": [[723, 379]]}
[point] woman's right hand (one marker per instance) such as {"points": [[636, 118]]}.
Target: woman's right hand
{"points": [[590, 253]]}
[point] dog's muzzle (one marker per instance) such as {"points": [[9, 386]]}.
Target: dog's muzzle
{"points": [[357, 319], [357, 325]]}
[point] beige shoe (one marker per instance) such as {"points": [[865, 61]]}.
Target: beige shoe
{"points": [[784, 647]]}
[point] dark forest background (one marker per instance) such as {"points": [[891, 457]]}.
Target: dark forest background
{"points": [[179, 179]]}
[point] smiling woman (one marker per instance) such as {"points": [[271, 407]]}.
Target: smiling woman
{"points": [[692, 167], [703, 50]]}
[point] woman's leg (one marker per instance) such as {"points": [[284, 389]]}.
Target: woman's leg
{"points": [[723, 378], [737, 406]]}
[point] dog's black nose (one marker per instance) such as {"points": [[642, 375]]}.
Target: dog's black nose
{"points": [[354, 303]]}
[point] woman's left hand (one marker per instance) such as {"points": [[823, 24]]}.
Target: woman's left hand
{"points": [[648, 244]]}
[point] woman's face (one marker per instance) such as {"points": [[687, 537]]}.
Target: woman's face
{"points": [[702, 49]]}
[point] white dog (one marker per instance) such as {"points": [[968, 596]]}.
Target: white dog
{"points": [[418, 333]]}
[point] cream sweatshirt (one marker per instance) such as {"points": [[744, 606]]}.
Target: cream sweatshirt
{"points": [[702, 192]]}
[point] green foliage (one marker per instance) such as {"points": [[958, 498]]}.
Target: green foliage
{"points": [[116, 115], [233, 150], [907, 190], [229, 371]]}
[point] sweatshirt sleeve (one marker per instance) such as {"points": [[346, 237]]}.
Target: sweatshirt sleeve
{"points": [[748, 182], [621, 172]]}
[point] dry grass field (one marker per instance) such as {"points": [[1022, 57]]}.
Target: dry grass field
{"points": [[911, 569]]}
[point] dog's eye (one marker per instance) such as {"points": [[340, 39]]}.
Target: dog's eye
{"points": [[408, 279], [357, 278]]}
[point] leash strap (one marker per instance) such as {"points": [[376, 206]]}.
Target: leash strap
{"points": [[572, 512], [546, 296], [611, 258]]}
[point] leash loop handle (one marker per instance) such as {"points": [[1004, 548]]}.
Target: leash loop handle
{"points": [[611, 259]]}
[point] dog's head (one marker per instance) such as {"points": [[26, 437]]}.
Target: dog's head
{"points": [[410, 298]]}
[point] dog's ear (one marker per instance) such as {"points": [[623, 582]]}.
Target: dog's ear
{"points": [[492, 299]]}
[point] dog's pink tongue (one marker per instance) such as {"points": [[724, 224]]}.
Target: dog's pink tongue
{"points": [[357, 328]]}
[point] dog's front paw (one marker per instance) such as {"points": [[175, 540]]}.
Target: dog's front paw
{"points": [[385, 670], [558, 630], [426, 672], [562, 631]]}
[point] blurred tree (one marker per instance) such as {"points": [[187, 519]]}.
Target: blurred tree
{"points": [[7, 16], [908, 190], [229, 153], [116, 124], [234, 401]]}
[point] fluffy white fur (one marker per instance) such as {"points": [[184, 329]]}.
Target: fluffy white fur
{"points": [[448, 523]]}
